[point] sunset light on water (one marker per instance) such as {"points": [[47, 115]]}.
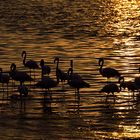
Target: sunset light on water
{"points": [[83, 31]]}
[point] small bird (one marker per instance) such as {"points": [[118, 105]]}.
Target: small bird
{"points": [[107, 72], [4, 79], [31, 64], [59, 73], [19, 75], [46, 69], [76, 83]]}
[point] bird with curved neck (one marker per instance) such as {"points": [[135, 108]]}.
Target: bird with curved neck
{"points": [[31, 64], [46, 68], [60, 75], [107, 72], [20, 76], [76, 82]]}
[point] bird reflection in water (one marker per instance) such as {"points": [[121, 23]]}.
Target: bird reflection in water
{"points": [[46, 103], [20, 99]]}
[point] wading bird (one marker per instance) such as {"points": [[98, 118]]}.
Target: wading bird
{"points": [[60, 75], [19, 75], [76, 82], [46, 82], [31, 64], [46, 69], [130, 85], [107, 72], [110, 88]]}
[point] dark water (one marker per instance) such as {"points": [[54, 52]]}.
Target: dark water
{"points": [[82, 31]]}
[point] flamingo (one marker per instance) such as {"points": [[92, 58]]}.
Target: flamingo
{"points": [[46, 69], [107, 72], [4, 79], [76, 82], [110, 88], [59, 73], [46, 82], [130, 85], [31, 64], [19, 75]]}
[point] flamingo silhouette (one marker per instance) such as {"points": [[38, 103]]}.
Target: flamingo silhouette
{"points": [[4, 79], [110, 88], [130, 85], [59, 73], [31, 64], [46, 82], [19, 75], [107, 72], [76, 82]]}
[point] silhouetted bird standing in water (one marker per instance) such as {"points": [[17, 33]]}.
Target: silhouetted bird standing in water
{"points": [[31, 64], [130, 85], [107, 72], [19, 75], [46, 69], [76, 82], [46, 82], [4, 79], [59, 73], [110, 88]]}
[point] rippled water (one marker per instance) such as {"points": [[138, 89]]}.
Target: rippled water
{"points": [[82, 31]]}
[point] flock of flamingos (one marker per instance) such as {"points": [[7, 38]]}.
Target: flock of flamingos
{"points": [[73, 79]]}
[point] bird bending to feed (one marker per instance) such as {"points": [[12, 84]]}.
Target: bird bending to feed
{"points": [[4, 79], [61, 75], [20, 76], [107, 72], [110, 88], [76, 83], [130, 85], [31, 64], [46, 69]]}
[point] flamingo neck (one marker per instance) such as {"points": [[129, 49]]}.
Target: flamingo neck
{"points": [[101, 66], [24, 59], [13, 67]]}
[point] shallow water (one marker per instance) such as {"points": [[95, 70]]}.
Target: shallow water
{"points": [[82, 31]]}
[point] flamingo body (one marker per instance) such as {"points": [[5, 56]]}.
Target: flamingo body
{"points": [[19, 75], [110, 88]]}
